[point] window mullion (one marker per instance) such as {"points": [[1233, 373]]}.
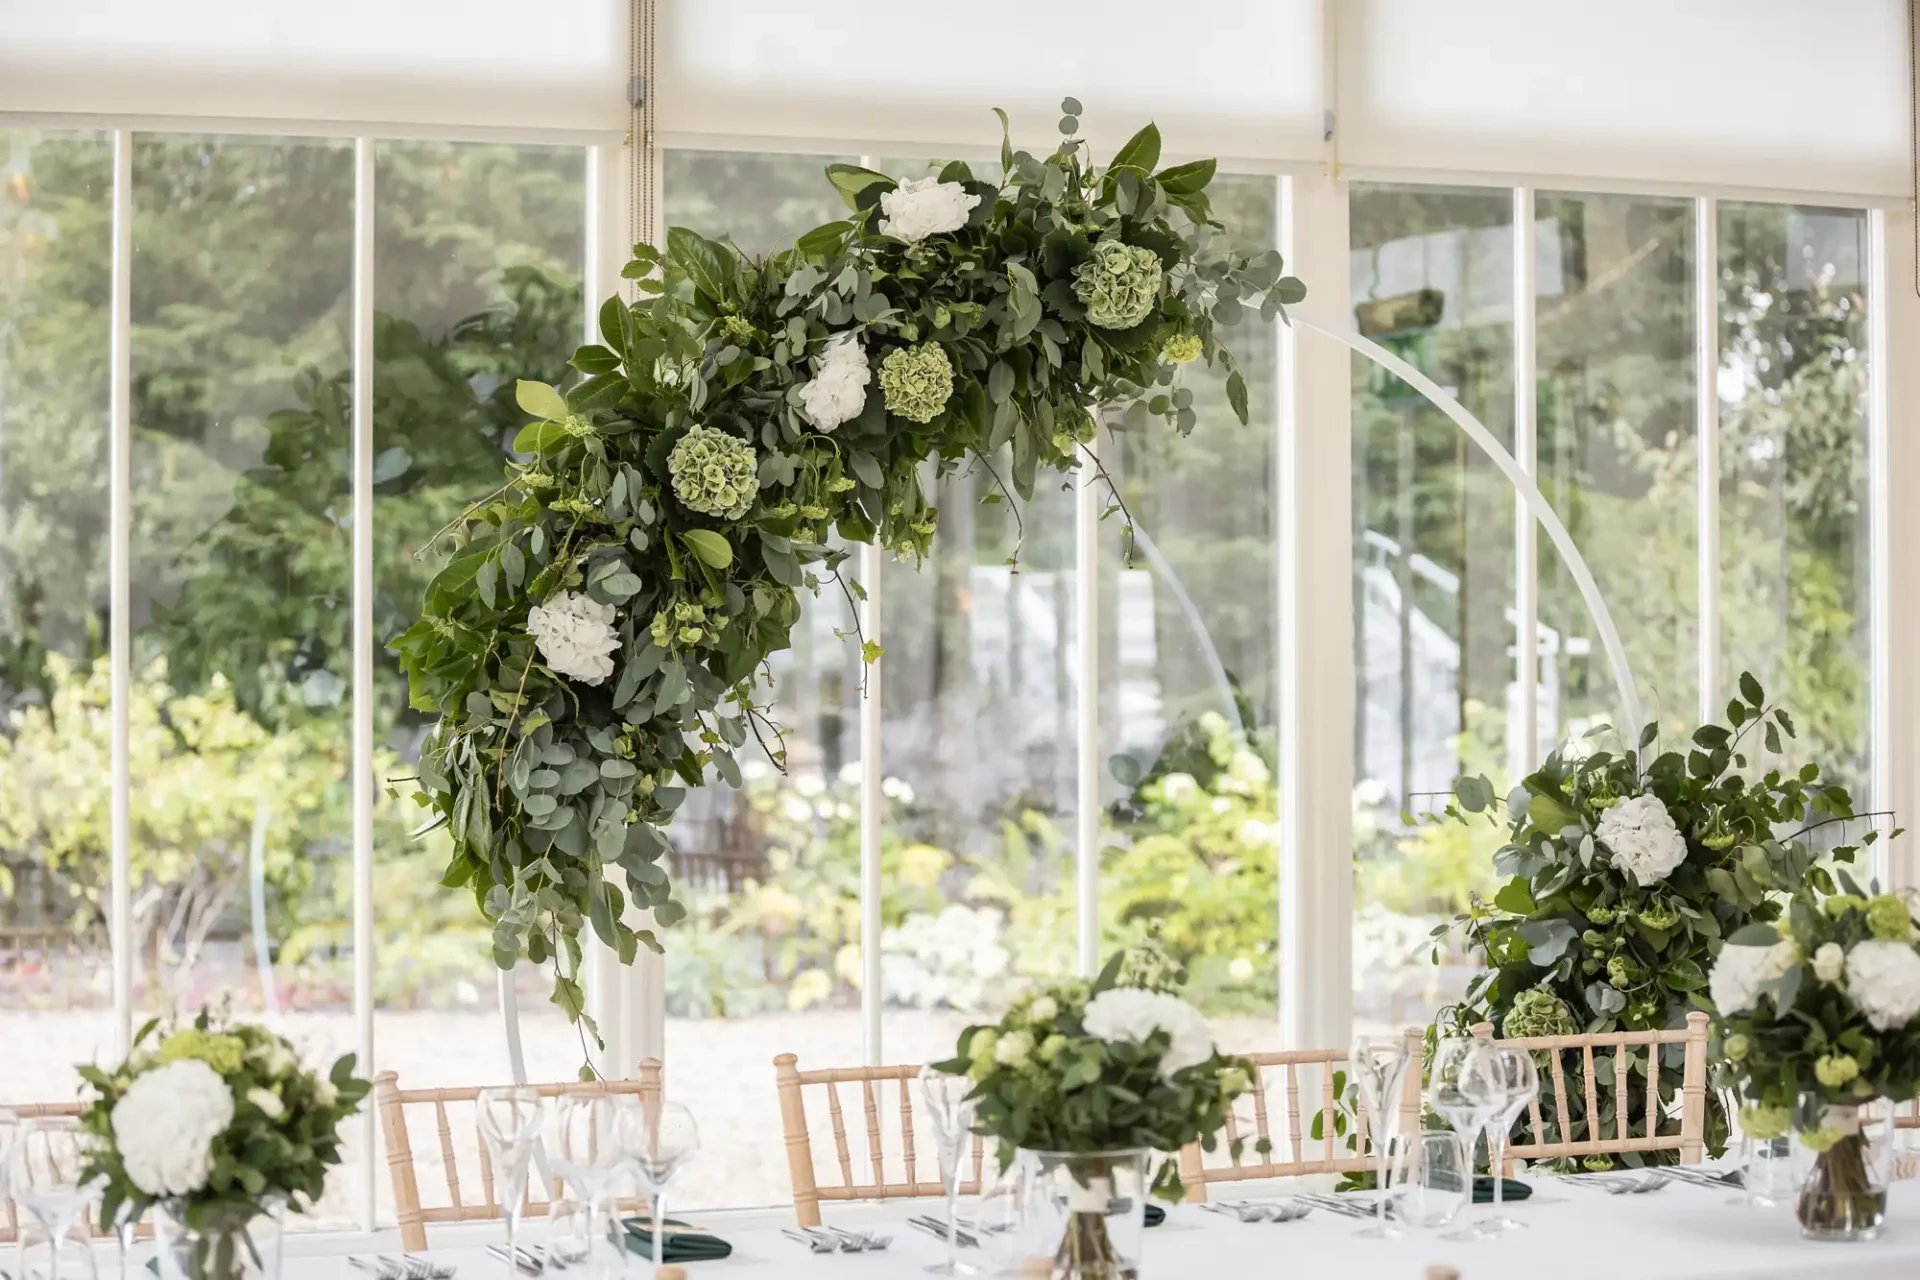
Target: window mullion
{"points": [[1524, 734], [1086, 601], [1706, 428], [120, 586], [363, 686], [872, 995]]}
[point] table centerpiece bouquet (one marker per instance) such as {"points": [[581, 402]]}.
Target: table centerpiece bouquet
{"points": [[1083, 1083], [1817, 1031], [1625, 871], [218, 1128]]}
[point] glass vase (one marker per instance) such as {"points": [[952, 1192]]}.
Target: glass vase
{"points": [[1841, 1167], [219, 1242], [1087, 1209]]}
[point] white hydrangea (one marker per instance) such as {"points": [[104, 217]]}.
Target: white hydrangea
{"points": [[1740, 972], [268, 1101], [1645, 842], [925, 207], [1133, 1014], [1884, 980], [838, 390], [1829, 962], [165, 1125], [576, 636], [1014, 1049], [1045, 1009]]}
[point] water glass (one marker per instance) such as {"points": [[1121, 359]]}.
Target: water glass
{"points": [[591, 1151], [47, 1163], [1379, 1067], [660, 1138], [1432, 1178], [1507, 1080], [510, 1125], [1450, 1091]]}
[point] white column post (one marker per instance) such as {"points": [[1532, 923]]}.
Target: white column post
{"points": [[1706, 434], [1086, 818], [872, 992], [1893, 456], [363, 689], [120, 584], [1524, 736], [1316, 627]]}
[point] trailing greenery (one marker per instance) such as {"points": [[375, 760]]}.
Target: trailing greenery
{"points": [[548, 780], [1581, 936]]}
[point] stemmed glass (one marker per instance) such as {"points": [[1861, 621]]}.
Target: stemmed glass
{"points": [[952, 1113], [1379, 1065], [510, 1124], [46, 1162], [590, 1155], [659, 1138], [1452, 1090], [1506, 1080]]}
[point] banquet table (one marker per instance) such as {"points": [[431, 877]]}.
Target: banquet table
{"points": [[1681, 1232]]}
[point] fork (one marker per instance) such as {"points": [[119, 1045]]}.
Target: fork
{"points": [[1636, 1186], [805, 1236], [380, 1268], [860, 1241], [938, 1229], [1289, 1210], [1334, 1204]]}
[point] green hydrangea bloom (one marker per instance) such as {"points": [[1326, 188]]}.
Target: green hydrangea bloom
{"points": [[1658, 915], [1118, 284], [714, 473], [224, 1054], [1835, 1069], [1182, 348], [1841, 903], [1738, 1046], [1600, 915], [738, 330], [1621, 971], [1762, 1121], [1818, 1140], [1888, 919], [917, 381], [1538, 1012]]}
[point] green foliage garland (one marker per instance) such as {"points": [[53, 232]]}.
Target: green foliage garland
{"points": [[630, 493], [1573, 941]]}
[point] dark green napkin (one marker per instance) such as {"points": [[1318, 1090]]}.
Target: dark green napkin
{"points": [[1509, 1189], [1155, 1215], [683, 1245]]}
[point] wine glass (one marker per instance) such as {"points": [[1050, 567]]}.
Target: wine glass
{"points": [[951, 1110], [510, 1124], [1455, 1065], [1506, 1079], [1379, 1065], [592, 1151], [47, 1161], [1433, 1178], [659, 1138]]}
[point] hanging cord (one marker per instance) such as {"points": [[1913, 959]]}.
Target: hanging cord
{"points": [[1913, 130], [640, 100]]}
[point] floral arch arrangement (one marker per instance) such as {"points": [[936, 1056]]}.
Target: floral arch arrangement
{"points": [[599, 638]]}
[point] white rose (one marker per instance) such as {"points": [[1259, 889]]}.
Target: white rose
{"points": [[1645, 842], [1133, 1014], [1884, 980], [1013, 1049], [1176, 787], [268, 1101], [1741, 971], [324, 1094], [1829, 962], [165, 1124], [275, 1056], [838, 391], [575, 635], [1045, 1009], [925, 207]]}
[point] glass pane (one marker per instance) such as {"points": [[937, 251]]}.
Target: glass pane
{"points": [[477, 269], [241, 600], [768, 958], [1616, 446], [1432, 280], [1189, 659], [56, 973], [980, 684], [1793, 472]]}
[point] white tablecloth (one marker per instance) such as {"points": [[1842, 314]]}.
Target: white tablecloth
{"points": [[1682, 1232]]}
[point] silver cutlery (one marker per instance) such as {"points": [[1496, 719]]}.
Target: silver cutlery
{"points": [[1338, 1204], [380, 1269], [860, 1241], [1706, 1177], [520, 1261], [1262, 1210], [818, 1243], [938, 1230], [1631, 1186]]}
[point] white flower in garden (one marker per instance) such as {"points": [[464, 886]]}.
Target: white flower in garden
{"points": [[1829, 962], [1884, 980], [165, 1125], [1014, 1049], [1241, 970], [1645, 842], [838, 390], [576, 636], [268, 1101], [1740, 972], [1248, 771], [925, 207], [1176, 787], [1133, 1013]]}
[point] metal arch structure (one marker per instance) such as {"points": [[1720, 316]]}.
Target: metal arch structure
{"points": [[1529, 492]]}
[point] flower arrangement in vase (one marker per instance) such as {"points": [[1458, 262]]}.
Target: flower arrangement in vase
{"points": [[1625, 871], [1085, 1082], [218, 1128], [1817, 1028]]}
